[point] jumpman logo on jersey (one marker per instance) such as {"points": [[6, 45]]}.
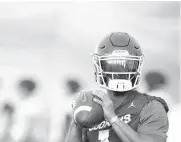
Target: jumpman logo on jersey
{"points": [[132, 105]]}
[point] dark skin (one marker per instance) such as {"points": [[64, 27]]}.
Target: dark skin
{"points": [[123, 130]]}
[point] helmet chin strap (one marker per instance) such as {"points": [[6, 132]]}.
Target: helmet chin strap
{"points": [[136, 74]]}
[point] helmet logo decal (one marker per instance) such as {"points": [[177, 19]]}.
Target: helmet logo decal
{"points": [[120, 52]]}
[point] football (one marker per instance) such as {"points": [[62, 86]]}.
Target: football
{"points": [[86, 112]]}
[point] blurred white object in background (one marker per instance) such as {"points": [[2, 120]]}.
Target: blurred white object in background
{"points": [[175, 124], [61, 109], [31, 115], [31, 121]]}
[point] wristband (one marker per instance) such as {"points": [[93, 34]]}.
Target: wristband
{"points": [[114, 119]]}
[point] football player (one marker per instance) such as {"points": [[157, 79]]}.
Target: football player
{"points": [[130, 116], [30, 120]]}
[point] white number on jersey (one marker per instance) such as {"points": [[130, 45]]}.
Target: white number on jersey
{"points": [[103, 136]]}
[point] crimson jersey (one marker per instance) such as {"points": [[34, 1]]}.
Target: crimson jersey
{"points": [[131, 112]]}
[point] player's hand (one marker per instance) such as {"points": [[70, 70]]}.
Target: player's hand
{"points": [[106, 104]]}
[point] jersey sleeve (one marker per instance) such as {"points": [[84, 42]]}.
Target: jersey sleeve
{"points": [[153, 120]]}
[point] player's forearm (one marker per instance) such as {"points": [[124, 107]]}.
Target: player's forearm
{"points": [[127, 134], [75, 133]]}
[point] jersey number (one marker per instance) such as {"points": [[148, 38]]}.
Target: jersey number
{"points": [[103, 136]]}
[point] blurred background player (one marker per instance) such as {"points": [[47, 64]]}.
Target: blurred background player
{"points": [[62, 110], [30, 120], [73, 87], [156, 85], [6, 115], [6, 120]]}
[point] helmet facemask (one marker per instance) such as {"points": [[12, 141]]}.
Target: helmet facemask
{"points": [[118, 73]]}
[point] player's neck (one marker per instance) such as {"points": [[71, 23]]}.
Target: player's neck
{"points": [[117, 96]]}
